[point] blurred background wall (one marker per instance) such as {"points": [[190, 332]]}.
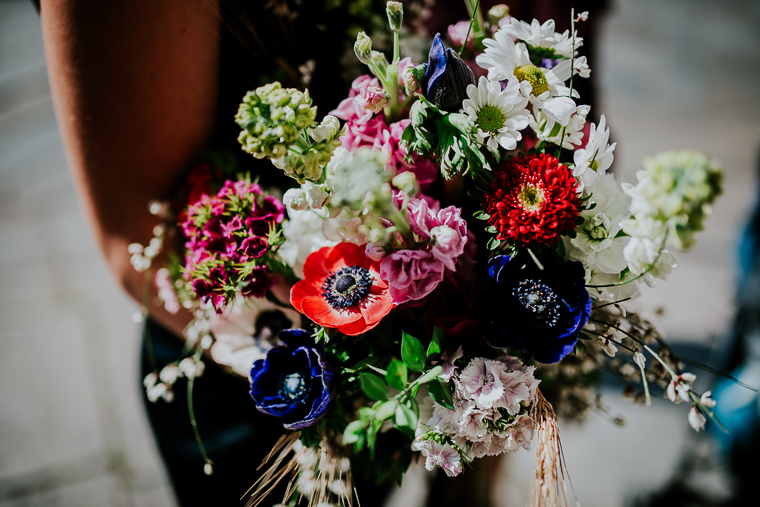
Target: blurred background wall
{"points": [[672, 74]]}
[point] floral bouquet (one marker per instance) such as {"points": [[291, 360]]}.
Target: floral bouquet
{"points": [[454, 253]]}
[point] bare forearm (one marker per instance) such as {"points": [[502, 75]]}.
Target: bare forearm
{"points": [[134, 87]]}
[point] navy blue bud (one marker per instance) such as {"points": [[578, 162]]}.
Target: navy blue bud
{"points": [[447, 77]]}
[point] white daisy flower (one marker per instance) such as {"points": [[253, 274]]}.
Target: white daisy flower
{"points": [[544, 36], [595, 158], [504, 60], [499, 115], [596, 243], [563, 115]]}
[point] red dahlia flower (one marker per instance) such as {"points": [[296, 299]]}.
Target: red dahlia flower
{"points": [[533, 198], [342, 289]]}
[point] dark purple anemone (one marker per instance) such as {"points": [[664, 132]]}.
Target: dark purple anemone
{"points": [[534, 311], [294, 382], [446, 78]]}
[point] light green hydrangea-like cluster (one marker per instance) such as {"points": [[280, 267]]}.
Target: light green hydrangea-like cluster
{"points": [[271, 117], [280, 124], [675, 189]]}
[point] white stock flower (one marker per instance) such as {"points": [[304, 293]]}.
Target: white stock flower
{"points": [[295, 198], [327, 130], [595, 158], [316, 195], [596, 243], [498, 114], [303, 234]]}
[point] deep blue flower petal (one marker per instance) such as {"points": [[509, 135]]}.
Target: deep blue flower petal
{"points": [[298, 354], [506, 326], [436, 63], [496, 264]]}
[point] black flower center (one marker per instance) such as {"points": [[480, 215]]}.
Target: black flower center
{"points": [[293, 386], [537, 301], [346, 287]]}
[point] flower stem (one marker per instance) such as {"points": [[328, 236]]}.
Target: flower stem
{"points": [[572, 74], [191, 411], [473, 13]]}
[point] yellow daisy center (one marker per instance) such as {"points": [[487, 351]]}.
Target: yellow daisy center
{"points": [[531, 197], [534, 76]]}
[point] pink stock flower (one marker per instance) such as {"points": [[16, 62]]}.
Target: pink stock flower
{"points": [[458, 31], [411, 274], [373, 98]]}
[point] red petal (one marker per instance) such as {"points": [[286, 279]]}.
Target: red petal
{"points": [[314, 269], [375, 307], [300, 291], [320, 311], [356, 328]]}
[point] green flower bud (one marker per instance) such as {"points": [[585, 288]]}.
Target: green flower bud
{"points": [[497, 13], [395, 11], [328, 130], [407, 183], [363, 48]]}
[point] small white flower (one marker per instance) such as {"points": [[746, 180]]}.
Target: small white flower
{"points": [[559, 115], [681, 387], [595, 158], [316, 195], [150, 380], [498, 115], [303, 233], [327, 130], [169, 374], [706, 399], [156, 392], [583, 16], [581, 67], [639, 359], [295, 198], [696, 419]]}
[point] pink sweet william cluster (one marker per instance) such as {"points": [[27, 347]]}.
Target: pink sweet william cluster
{"points": [[366, 126], [228, 237], [442, 236]]}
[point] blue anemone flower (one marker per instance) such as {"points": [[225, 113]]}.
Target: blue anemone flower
{"points": [[534, 311], [294, 382], [446, 77]]}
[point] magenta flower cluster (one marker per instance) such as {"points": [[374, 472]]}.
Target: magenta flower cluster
{"points": [[227, 241]]}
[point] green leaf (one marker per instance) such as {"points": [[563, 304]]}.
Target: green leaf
{"points": [[481, 215], [412, 352], [406, 420], [352, 432], [436, 343], [373, 386], [397, 375], [441, 394], [430, 374], [459, 121], [385, 410], [492, 229], [493, 243]]}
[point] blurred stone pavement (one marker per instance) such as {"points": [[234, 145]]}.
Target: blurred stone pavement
{"points": [[673, 74]]}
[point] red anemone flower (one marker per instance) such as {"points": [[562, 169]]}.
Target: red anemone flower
{"points": [[342, 289]]}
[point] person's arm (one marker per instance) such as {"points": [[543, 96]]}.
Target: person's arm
{"points": [[134, 89]]}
